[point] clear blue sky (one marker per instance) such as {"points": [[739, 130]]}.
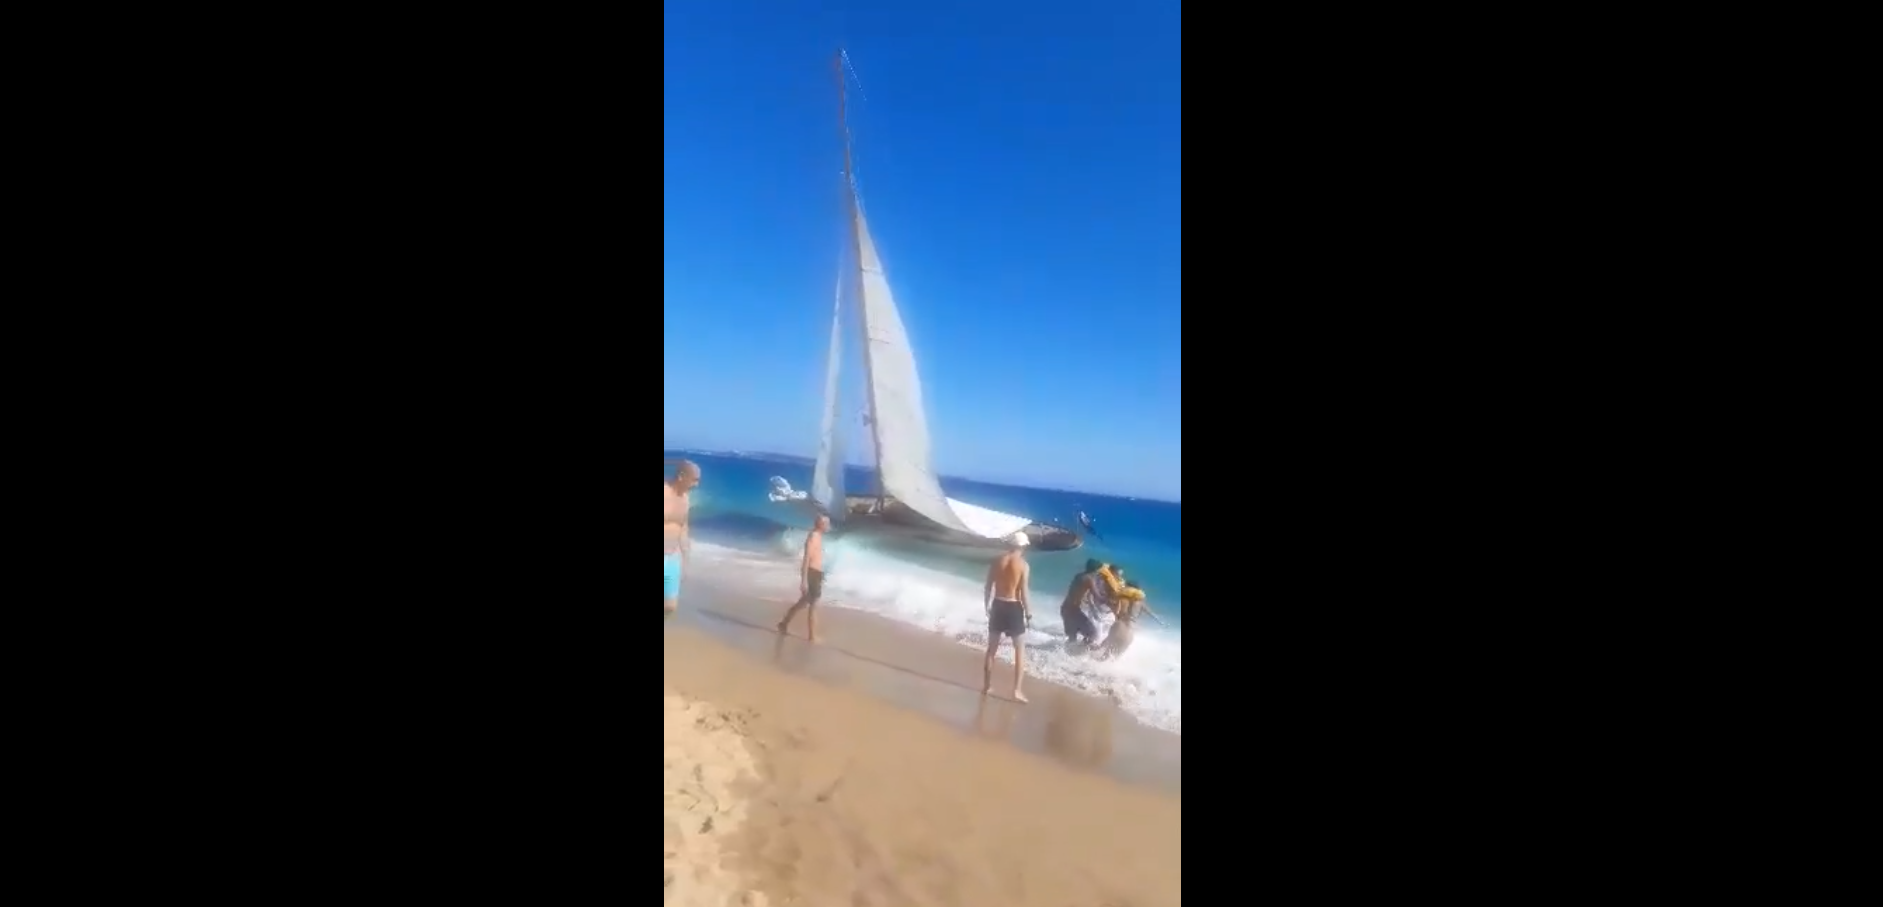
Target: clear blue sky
{"points": [[1020, 163]]}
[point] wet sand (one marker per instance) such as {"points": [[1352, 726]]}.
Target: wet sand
{"points": [[920, 671], [869, 771]]}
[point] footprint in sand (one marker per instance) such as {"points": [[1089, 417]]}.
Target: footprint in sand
{"points": [[706, 763]]}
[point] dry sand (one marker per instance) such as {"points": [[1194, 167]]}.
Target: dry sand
{"points": [[782, 789], [708, 767]]}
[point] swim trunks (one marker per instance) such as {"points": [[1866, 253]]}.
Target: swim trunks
{"points": [[1077, 624], [1006, 618], [673, 577], [813, 586]]}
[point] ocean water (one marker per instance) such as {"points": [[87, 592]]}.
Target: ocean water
{"points": [[940, 591]]}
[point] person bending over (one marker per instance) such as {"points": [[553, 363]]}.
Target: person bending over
{"points": [[1124, 629], [1072, 610]]}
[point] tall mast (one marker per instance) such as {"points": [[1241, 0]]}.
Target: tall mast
{"points": [[856, 243]]}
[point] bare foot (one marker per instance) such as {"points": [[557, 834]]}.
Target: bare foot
{"points": [[1019, 696], [783, 630], [987, 690], [812, 638]]}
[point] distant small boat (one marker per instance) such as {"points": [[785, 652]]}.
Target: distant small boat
{"points": [[782, 491], [908, 501]]}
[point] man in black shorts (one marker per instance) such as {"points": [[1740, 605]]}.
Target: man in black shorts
{"points": [[1079, 627], [1008, 612], [810, 580]]}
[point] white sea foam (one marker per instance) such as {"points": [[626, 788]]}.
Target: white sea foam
{"points": [[1147, 680]]}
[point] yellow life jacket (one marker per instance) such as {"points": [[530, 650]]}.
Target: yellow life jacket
{"points": [[1117, 588]]}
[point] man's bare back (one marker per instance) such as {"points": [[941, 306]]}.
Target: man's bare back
{"points": [[1009, 576], [1076, 592], [1127, 609]]}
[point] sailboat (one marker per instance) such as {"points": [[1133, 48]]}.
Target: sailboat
{"points": [[908, 500]]}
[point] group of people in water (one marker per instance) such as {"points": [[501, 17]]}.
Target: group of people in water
{"points": [[1099, 595]]}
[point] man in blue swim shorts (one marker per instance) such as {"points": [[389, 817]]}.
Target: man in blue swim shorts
{"points": [[679, 542]]}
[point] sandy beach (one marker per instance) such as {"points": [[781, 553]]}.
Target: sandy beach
{"points": [[868, 770]]}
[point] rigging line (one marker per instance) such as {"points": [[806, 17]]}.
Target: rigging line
{"points": [[853, 74], [854, 184], [856, 181]]}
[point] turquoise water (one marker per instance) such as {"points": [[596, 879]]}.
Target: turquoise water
{"points": [[940, 589], [1143, 537]]}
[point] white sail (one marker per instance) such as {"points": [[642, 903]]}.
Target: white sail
{"points": [[898, 421], [827, 475], [986, 523]]}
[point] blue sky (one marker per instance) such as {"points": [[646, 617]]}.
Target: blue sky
{"points": [[1020, 163]]}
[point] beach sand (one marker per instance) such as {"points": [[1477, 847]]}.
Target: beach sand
{"points": [[868, 771]]}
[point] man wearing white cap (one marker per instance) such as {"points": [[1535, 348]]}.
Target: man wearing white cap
{"points": [[1008, 612]]}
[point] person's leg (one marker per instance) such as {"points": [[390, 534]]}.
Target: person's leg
{"points": [[813, 587], [813, 593], [987, 664], [784, 626], [671, 574], [1019, 667], [1069, 619], [1120, 639]]}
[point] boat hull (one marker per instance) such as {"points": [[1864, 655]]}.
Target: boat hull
{"points": [[892, 518]]}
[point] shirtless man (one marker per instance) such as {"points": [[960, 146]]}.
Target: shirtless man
{"points": [[1079, 627], [810, 580], [679, 540], [1122, 630], [1008, 612]]}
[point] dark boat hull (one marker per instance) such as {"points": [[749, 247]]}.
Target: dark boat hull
{"points": [[894, 519]]}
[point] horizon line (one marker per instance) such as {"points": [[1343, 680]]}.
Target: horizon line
{"points": [[812, 459]]}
